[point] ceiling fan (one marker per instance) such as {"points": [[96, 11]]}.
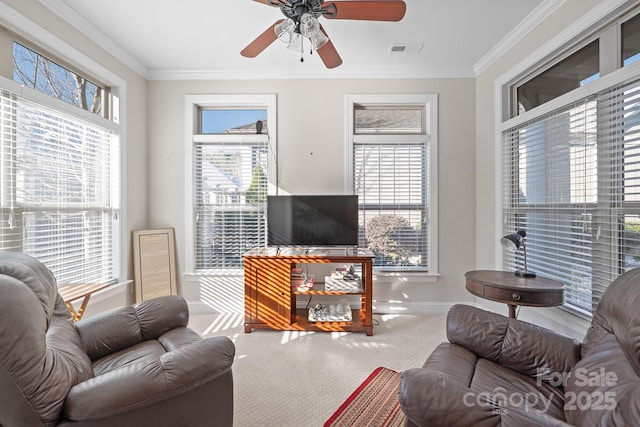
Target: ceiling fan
{"points": [[301, 21]]}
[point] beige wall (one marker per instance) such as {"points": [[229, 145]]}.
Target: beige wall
{"points": [[311, 156]]}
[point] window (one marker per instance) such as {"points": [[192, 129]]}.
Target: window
{"points": [[568, 74], [60, 191], [571, 179], [231, 152], [392, 154], [39, 72], [631, 40]]}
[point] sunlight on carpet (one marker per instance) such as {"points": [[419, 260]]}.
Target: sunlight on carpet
{"points": [[294, 378]]}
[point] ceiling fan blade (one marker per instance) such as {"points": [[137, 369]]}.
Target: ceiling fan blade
{"points": [[372, 10], [261, 42], [328, 53]]}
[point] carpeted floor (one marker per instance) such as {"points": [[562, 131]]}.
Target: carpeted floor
{"points": [[292, 379]]}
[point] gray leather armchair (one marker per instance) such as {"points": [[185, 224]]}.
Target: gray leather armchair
{"points": [[131, 366], [496, 371]]}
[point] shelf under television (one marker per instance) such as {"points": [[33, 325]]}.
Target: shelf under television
{"points": [[271, 303], [319, 289], [301, 321]]}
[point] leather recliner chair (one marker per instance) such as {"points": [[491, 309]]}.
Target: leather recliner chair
{"points": [[132, 366], [496, 371]]}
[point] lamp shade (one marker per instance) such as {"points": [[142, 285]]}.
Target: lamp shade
{"points": [[511, 241], [296, 42], [515, 241], [308, 25], [284, 30], [318, 40]]}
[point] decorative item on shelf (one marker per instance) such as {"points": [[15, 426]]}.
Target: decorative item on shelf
{"points": [[340, 312], [343, 279], [300, 281], [514, 241]]}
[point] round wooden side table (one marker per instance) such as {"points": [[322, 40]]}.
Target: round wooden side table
{"points": [[506, 287]]}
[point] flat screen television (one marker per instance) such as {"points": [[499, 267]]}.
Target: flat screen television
{"points": [[312, 220]]}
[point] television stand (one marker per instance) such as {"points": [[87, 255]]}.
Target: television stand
{"points": [[270, 300]]}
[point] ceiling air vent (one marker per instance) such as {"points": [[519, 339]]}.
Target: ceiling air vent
{"points": [[406, 47]]}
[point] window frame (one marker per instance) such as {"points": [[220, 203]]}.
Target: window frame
{"points": [[605, 27], [193, 105], [105, 95], [430, 104], [26, 32]]}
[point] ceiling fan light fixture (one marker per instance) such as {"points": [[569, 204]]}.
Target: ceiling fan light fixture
{"points": [[296, 42], [318, 40], [308, 25], [310, 28], [285, 30]]}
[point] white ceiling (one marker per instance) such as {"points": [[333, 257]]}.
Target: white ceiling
{"points": [[194, 39]]}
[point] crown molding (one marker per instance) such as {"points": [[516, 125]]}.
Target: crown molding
{"points": [[593, 17], [59, 8], [539, 14], [27, 28]]}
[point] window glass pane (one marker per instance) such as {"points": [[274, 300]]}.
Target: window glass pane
{"points": [[391, 183], [631, 40], [569, 139], [235, 121], [572, 181], [389, 120], [34, 70], [552, 196], [565, 76], [60, 191], [231, 192]]}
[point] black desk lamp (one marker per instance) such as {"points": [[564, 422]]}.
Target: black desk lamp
{"points": [[514, 241]]}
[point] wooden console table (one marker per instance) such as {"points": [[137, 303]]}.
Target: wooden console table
{"points": [[270, 302], [506, 287]]}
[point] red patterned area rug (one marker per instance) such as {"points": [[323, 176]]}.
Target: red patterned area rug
{"points": [[373, 404]]}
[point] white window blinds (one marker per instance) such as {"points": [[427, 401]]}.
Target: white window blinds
{"points": [[230, 180], [60, 190], [572, 181], [390, 179]]}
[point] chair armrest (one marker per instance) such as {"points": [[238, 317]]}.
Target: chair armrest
{"points": [[432, 398], [517, 345], [113, 330], [141, 384]]}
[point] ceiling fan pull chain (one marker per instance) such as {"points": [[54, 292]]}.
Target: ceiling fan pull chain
{"points": [[302, 50]]}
